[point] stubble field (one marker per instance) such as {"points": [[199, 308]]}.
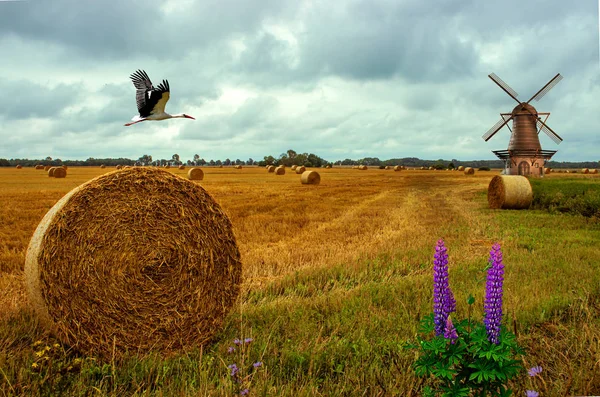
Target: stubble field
{"points": [[336, 278]]}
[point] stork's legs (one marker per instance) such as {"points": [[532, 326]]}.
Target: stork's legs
{"points": [[139, 121]]}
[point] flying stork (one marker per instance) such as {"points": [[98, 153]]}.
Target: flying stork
{"points": [[151, 101]]}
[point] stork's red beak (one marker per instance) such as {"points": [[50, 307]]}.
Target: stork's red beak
{"points": [[189, 117]]}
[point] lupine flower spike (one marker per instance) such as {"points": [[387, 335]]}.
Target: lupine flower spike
{"points": [[443, 299], [450, 332], [493, 295]]}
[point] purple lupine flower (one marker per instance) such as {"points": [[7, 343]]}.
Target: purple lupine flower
{"points": [[532, 393], [257, 364], [237, 342], [234, 370], [535, 371], [493, 295], [248, 340], [443, 299], [244, 392], [450, 332]]}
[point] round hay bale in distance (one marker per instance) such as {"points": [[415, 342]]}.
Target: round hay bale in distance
{"points": [[585, 171], [469, 171], [300, 170], [461, 168], [119, 166], [509, 192], [195, 174], [362, 167], [593, 171], [294, 167], [182, 167], [60, 172], [19, 166], [280, 170], [51, 172], [160, 276], [39, 167], [397, 168], [271, 168], [310, 178], [102, 166]]}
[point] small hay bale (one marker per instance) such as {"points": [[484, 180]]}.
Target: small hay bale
{"points": [[221, 166], [300, 170], [102, 166], [387, 167], [159, 277], [51, 172], [294, 167], [119, 166], [280, 170], [238, 167], [397, 168], [547, 170], [461, 168], [195, 174], [509, 192], [469, 171], [60, 172], [585, 171], [182, 167], [593, 171], [310, 178], [168, 166], [328, 166], [271, 168], [19, 166], [363, 167], [39, 167]]}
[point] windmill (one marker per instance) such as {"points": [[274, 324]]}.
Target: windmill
{"points": [[524, 155]]}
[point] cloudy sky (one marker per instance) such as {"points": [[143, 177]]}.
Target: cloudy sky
{"points": [[341, 79]]}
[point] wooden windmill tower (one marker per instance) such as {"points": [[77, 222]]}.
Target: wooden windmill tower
{"points": [[524, 155]]}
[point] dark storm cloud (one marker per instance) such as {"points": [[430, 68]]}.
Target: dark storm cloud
{"points": [[23, 99]]}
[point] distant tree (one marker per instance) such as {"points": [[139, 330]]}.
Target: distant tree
{"points": [[451, 166], [291, 154], [250, 161], [212, 162], [196, 159], [227, 162], [175, 158]]}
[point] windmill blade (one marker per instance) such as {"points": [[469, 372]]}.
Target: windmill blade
{"points": [[504, 86], [492, 131], [544, 90], [553, 135]]}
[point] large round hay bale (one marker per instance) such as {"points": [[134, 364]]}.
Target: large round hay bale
{"points": [[280, 170], [593, 171], [182, 167], [51, 172], [19, 166], [294, 167], [60, 172], [300, 170], [195, 174], [134, 261], [397, 168], [585, 171], [461, 168], [271, 168], [510, 192], [310, 178], [469, 171]]}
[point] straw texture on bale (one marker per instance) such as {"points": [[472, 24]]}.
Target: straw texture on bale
{"points": [[280, 170], [469, 171], [133, 261], [509, 192], [195, 174], [182, 167], [271, 168], [300, 169], [585, 171], [51, 172], [310, 178], [60, 172]]}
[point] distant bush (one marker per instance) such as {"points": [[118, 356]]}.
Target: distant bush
{"points": [[484, 168], [575, 196]]}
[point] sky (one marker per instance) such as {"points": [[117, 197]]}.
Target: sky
{"points": [[340, 79]]}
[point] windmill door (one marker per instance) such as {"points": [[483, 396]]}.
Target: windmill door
{"points": [[523, 168]]}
